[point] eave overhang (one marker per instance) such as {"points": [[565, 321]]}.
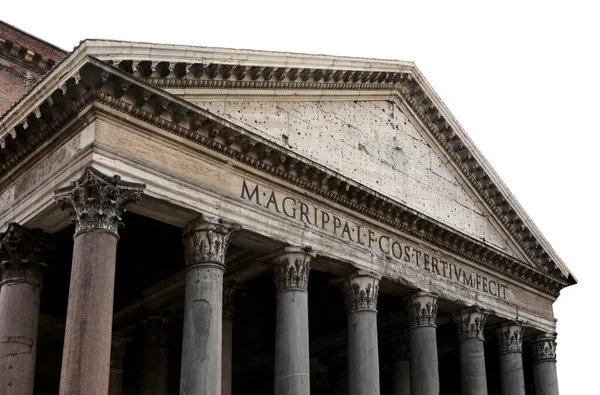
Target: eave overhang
{"points": [[81, 79]]}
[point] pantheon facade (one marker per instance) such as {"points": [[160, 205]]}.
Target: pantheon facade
{"points": [[207, 221]]}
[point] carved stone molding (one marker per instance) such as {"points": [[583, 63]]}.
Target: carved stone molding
{"points": [[510, 337], [22, 254], [400, 346], [117, 351], [97, 82], [544, 348], [291, 268], [156, 330], [206, 240], [361, 289], [421, 308], [228, 301], [98, 201], [470, 323]]}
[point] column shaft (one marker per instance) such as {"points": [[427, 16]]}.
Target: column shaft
{"points": [[512, 379], [291, 267], [401, 372], [361, 290], [202, 330], [363, 353], [155, 375], [421, 308], [292, 360], [117, 357], [86, 353], [115, 386], [19, 315], [544, 365], [227, 356]]}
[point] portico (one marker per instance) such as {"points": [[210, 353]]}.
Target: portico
{"points": [[246, 265]]}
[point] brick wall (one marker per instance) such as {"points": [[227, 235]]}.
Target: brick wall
{"points": [[24, 60]]}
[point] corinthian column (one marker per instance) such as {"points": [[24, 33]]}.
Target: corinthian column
{"points": [[421, 309], [361, 289], [512, 380], [98, 201], [205, 245], [470, 324], [544, 365], [21, 257], [292, 358], [401, 364], [155, 370]]}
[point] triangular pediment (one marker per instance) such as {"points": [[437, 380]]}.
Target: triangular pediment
{"points": [[399, 147]]}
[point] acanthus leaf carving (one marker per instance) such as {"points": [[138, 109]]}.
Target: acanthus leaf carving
{"points": [[544, 348], [291, 268], [421, 309], [206, 240], [98, 200], [470, 323], [22, 254], [510, 337], [361, 290]]}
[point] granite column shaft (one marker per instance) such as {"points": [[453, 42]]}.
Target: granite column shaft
{"points": [[400, 364], [291, 267], [155, 369]]}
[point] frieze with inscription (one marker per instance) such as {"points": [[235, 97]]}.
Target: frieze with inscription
{"points": [[298, 210]]}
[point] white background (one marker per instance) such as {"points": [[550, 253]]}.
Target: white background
{"points": [[522, 77]]}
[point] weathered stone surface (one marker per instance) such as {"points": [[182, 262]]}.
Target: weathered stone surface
{"points": [[544, 364], [375, 144]]}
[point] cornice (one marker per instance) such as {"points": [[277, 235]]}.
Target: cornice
{"points": [[25, 56], [93, 80]]}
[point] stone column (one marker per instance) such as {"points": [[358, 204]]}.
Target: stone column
{"points": [[155, 369], [117, 357], [512, 379], [205, 245], [21, 255], [421, 309], [400, 364], [98, 202], [470, 324], [361, 289], [227, 360], [337, 372], [544, 365], [291, 267]]}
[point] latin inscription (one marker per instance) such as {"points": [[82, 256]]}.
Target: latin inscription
{"points": [[298, 210]]}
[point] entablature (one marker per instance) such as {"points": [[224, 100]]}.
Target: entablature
{"points": [[96, 81]]}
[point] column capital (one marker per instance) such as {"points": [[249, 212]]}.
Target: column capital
{"points": [[22, 254], [510, 337], [400, 346], [544, 348], [156, 329], [206, 240], [361, 289], [421, 308], [291, 267], [470, 323], [117, 351], [98, 200]]}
